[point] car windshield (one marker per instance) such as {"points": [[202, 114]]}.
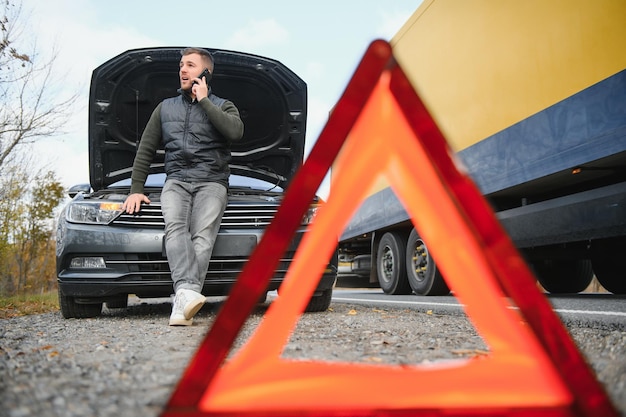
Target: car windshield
{"points": [[235, 181]]}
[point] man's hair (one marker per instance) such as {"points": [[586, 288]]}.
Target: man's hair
{"points": [[206, 56]]}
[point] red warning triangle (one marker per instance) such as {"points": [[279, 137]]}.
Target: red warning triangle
{"points": [[381, 127]]}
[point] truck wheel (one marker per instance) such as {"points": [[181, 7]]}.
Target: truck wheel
{"points": [[391, 265], [71, 309], [422, 273], [563, 276], [609, 266]]}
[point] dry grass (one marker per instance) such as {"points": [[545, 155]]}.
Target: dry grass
{"points": [[22, 305]]}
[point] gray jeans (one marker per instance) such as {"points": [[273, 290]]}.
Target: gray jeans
{"points": [[192, 214]]}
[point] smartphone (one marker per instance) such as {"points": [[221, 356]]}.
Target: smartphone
{"points": [[205, 74]]}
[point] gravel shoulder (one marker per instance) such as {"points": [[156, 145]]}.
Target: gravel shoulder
{"points": [[127, 362]]}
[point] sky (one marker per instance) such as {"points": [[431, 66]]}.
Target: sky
{"points": [[322, 41]]}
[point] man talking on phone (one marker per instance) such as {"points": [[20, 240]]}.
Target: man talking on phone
{"points": [[196, 129]]}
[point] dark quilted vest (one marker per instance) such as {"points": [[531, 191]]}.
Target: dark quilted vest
{"points": [[195, 151]]}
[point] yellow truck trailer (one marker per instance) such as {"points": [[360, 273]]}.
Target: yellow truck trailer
{"points": [[532, 96]]}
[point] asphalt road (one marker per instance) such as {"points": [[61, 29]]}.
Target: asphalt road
{"points": [[586, 308]]}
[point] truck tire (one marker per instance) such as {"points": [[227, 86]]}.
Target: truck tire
{"points": [[70, 309], [609, 265], [563, 276], [391, 264], [421, 270]]}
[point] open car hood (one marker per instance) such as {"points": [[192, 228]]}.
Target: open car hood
{"points": [[125, 90]]}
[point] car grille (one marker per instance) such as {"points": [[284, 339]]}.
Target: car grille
{"points": [[236, 216], [154, 267]]}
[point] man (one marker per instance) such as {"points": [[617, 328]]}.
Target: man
{"points": [[196, 129]]}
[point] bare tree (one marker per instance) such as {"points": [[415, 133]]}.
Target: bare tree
{"points": [[30, 109]]}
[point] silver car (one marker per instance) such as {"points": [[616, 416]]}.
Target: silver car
{"points": [[104, 254]]}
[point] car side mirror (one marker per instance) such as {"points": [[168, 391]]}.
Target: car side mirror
{"points": [[80, 188]]}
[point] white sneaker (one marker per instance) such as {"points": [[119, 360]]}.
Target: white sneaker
{"points": [[186, 305]]}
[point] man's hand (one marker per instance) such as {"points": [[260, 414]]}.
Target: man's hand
{"points": [[133, 203], [200, 88]]}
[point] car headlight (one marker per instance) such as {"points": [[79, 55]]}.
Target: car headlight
{"points": [[93, 212]]}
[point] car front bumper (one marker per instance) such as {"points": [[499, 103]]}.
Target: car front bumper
{"points": [[135, 262]]}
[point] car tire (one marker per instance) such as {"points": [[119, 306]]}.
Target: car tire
{"points": [[320, 302], [118, 302], [70, 309]]}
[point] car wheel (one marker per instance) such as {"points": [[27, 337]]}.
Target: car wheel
{"points": [[118, 302], [391, 265], [422, 272], [320, 302], [563, 276], [71, 309]]}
